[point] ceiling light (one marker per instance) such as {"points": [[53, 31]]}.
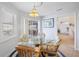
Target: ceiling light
{"points": [[34, 12]]}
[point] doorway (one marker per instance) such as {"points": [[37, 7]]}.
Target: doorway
{"points": [[66, 26]]}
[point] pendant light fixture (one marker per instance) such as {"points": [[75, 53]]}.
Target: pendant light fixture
{"points": [[34, 12]]}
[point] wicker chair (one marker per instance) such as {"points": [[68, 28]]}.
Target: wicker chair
{"points": [[51, 49], [25, 51], [37, 50]]}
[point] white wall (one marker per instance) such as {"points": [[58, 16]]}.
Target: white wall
{"points": [[77, 31], [8, 43], [50, 33], [8, 46]]}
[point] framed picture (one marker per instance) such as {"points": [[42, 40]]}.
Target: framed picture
{"points": [[8, 23], [48, 23], [33, 28], [7, 29]]}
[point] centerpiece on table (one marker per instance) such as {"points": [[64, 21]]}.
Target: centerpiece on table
{"points": [[23, 39]]}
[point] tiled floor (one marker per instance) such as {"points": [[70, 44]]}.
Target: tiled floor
{"points": [[67, 46]]}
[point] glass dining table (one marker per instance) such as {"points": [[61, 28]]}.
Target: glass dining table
{"points": [[31, 42], [34, 41]]}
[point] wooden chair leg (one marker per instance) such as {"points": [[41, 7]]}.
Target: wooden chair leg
{"points": [[46, 54]]}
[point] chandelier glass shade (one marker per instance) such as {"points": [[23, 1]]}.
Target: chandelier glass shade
{"points": [[34, 12]]}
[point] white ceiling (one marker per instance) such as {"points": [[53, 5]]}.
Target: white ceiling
{"points": [[48, 8]]}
